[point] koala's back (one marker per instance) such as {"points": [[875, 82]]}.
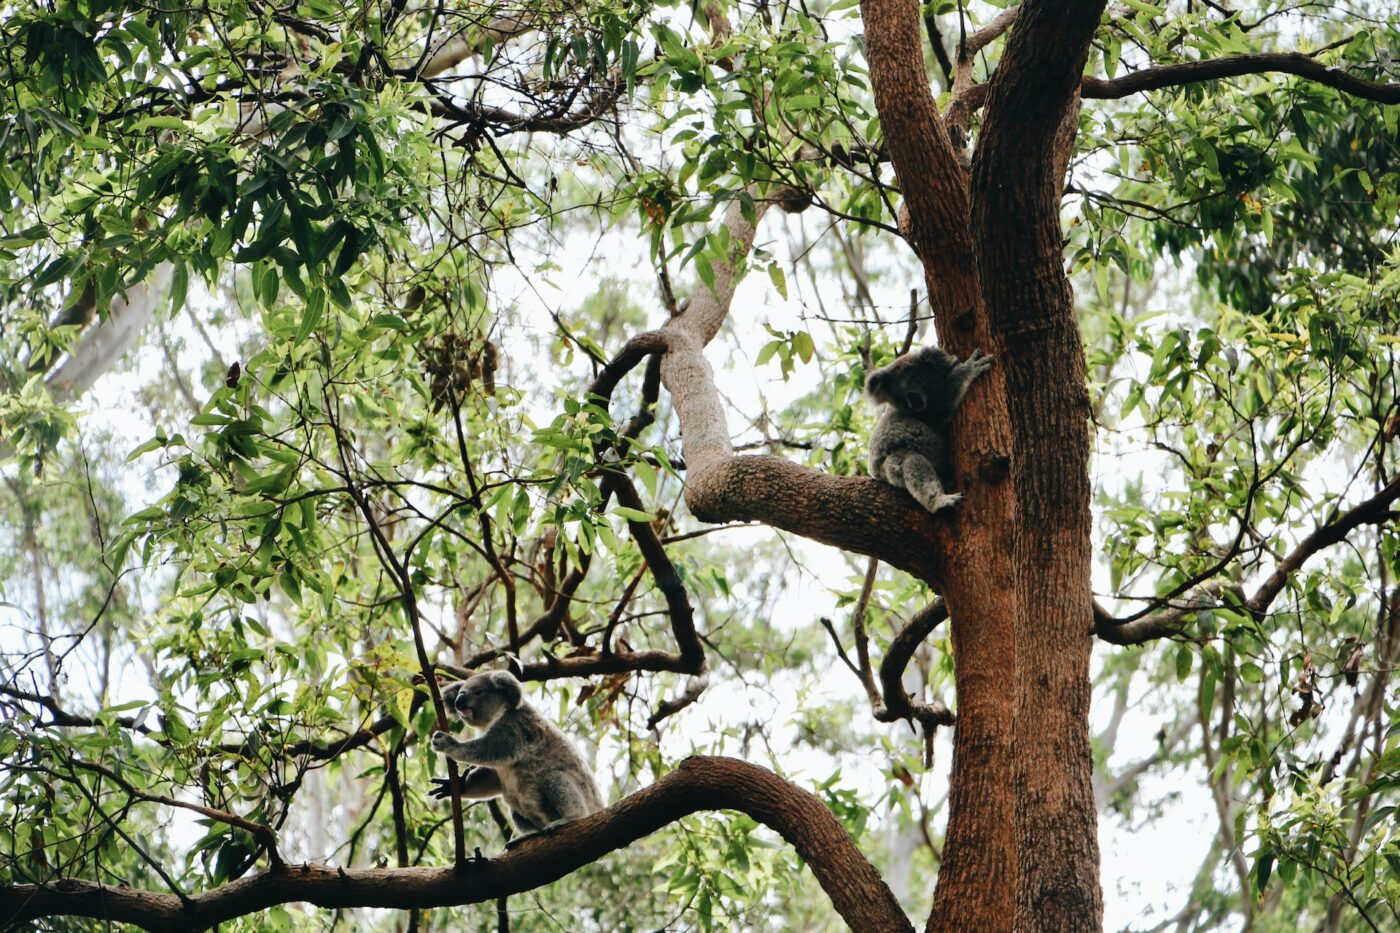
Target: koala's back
{"points": [[543, 757], [897, 433]]}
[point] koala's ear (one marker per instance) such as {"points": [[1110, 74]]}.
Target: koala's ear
{"points": [[507, 686]]}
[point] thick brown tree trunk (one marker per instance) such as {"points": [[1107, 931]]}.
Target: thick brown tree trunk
{"points": [[976, 877], [1016, 226], [1021, 850]]}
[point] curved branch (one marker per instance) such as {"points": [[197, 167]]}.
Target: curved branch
{"points": [[971, 98], [1172, 620], [856, 889], [861, 515], [1291, 63], [1374, 510], [897, 701], [853, 513]]}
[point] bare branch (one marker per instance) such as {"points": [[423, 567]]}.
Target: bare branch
{"points": [[970, 98], [1292, 63], [989, 33]]}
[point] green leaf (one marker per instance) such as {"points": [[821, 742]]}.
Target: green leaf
{"points": [[804, 347], [179, 286], [775, 273], [311, 316], [160, 123], [632, 515], [1184, 659], [1263, 868], [705, 270]]}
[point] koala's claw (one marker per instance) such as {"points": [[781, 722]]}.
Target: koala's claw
{"points": [[441, 741]]}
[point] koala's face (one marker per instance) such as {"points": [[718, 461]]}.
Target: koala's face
{"points": [[910, 382], [478, 700]]}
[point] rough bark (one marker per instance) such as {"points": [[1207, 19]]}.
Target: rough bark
{"points": [[976, 877], [1015, 220], [857, 892]]}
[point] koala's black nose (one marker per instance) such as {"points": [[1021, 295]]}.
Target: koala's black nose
{"points": [[459, 703]]}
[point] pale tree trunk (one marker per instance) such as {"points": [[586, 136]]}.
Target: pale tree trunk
{"points": [[104, 342]]}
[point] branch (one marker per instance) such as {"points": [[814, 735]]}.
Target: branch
{"points": [[855, 514], [1292, 63], [259, 831], [1164, 624], [461, 44], [858, 893], [889, 701], [983, 37], [971, 98], [61, 717], [1373, 511], [1173, 620], [897, 701]]}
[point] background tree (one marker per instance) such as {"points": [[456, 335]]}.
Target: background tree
{"points": [[391, 440]]}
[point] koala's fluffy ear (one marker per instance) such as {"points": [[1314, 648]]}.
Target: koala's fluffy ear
{"points": [[507, 686]]}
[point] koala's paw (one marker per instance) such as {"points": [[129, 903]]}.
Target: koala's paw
{"points": [[441, 741], [980, 362], [945, 501]]}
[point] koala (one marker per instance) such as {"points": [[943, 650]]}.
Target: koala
{"points": [[522, 757], [909, 447]]}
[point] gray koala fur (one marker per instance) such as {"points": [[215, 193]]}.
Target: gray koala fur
{"points": [[920, 392], [521, 757]]}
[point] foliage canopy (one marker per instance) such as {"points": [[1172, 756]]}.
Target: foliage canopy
{"points": [[396, 258]]}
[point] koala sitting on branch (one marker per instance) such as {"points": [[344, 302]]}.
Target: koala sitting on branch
{"points": [[522, 757], [909, 447]]}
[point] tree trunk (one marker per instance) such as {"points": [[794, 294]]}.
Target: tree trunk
{"points": [[1016, 228], [1021, 849], [976, 878]]}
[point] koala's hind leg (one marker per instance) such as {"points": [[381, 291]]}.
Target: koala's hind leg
{"points": [[914, 473], [562, 802]]}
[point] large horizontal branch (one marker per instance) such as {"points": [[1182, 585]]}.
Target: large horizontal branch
{"points": [[857, 891], [1214, 69], [853, 513]]}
